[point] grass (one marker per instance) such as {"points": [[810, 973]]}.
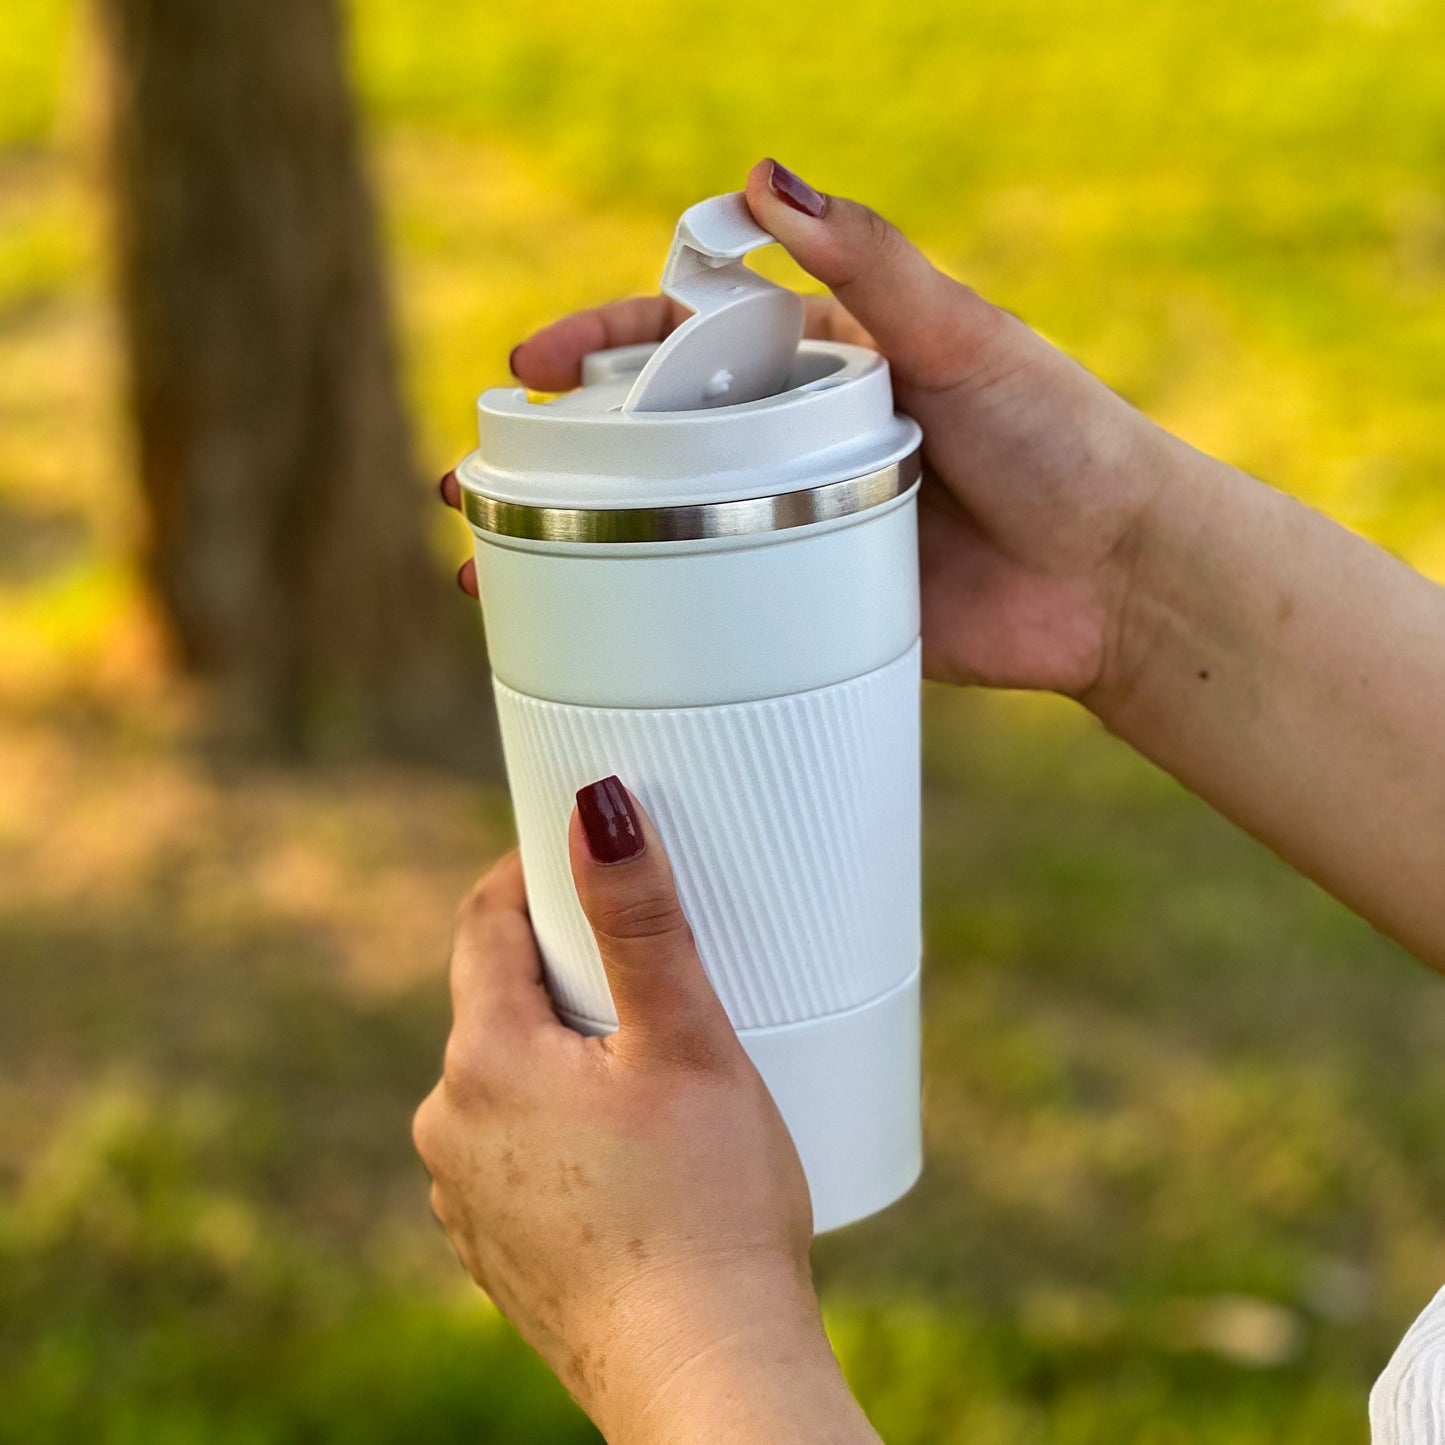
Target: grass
{"points": [[1184, 1179]]}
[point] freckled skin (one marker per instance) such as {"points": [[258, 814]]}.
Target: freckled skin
{"points": [[600, 1221]]}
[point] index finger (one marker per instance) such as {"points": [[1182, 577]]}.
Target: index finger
{"points": [[551, 359], [496, 967]]}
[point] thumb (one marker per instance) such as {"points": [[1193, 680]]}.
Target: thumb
{"points": [[664, 1001], [935, 331]]}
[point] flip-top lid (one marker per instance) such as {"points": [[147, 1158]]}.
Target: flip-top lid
{"points": [[730, 405]]}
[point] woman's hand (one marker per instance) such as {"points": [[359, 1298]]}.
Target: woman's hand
{"points": [[1037, 475], [633, 1203], [1283, 669]]}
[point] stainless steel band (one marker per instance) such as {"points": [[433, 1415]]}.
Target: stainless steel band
{"points": [[692, 523]]}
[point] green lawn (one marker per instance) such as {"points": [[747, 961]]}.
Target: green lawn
{"points": [[1184, 1179]]}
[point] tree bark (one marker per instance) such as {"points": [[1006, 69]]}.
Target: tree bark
{"points": [[285, 527]]}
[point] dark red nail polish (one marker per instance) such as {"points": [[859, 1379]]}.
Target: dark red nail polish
{"points": [[512, 359], [795, 191], [609, 822], [445, 487]]}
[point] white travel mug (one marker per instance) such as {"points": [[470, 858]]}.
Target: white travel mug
{"points": [[699, 572]]}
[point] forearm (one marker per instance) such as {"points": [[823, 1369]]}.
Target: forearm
{"points": [[1293, 675]]}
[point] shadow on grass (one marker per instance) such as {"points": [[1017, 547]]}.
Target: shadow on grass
{"points": [[222, 1234], [1181, 1169]]}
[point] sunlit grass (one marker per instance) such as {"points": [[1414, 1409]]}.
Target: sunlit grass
{"points": [[1184, 1180]]}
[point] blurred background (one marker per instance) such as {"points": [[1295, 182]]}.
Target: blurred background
{"points": [[256, 258]]}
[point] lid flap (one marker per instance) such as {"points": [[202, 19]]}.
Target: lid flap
{"points": [[740, 341]]}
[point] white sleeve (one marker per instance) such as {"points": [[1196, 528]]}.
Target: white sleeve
{"points": [[1407, 1405]]}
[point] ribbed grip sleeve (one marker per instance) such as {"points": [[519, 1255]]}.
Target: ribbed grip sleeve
{"points": [[792, 824]]}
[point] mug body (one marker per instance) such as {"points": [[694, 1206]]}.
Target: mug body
{"points": [[759, 695], [721, 608]]}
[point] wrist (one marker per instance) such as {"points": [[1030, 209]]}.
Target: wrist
{"points": [[1166, 588], [728, 1355]]}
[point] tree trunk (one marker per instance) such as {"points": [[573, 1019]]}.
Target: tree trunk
{"points": [[285, 539]]}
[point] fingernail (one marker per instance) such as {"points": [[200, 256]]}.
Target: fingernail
{"points": [[445, 489], [512, 359], [795, 191], [462, 576], [609, 822]]}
